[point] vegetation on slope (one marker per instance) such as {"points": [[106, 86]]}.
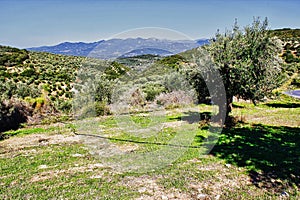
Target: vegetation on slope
{"points": [[290, 54], [42, 81]]}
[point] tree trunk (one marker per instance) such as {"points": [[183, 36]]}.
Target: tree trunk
{"points": [[225, 109], [229, 106]]}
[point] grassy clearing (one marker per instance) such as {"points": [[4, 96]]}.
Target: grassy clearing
{"points": [[257, 159], [283, 112]]}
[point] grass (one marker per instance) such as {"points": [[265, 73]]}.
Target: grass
{"points": [[256, 159], [56, 172], [269, 153], [283, 112]]}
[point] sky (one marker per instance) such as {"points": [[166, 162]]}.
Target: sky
{"points": [[31, 23]]}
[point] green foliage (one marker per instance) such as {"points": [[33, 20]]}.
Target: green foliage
{"points": [[12, 56], [64, 105], [27, 74], [248, 61], [115, 70], [152, 90], [173, 61], [285, 33], [101, 108], [291, 40], [104, 89], [46, 87], [296, 82]]}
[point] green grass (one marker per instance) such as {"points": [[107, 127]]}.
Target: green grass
{"points": [[26, 131], [282, 112], [250, 161], [63, 176]]}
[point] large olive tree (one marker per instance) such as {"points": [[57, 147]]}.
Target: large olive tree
{"points": [[248, 61]]}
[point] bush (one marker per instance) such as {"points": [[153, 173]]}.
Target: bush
{"points": [[101, 108], [152, 90], [29, 72], [137, 98], [296, 82], [65, 106], [13, 113], [174, 99]]}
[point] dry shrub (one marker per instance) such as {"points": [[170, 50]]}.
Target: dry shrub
{"points": [[137, 98], [174, 99]]}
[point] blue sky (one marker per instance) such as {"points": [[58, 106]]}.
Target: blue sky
{"points": [[27, 23]]}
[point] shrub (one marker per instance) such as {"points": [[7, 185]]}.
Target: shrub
{"points": [[101, 108], [29, 72], [137, 98], [23, 90], [13, 113], [65, 106], [115, 70], [174, 99], [152, 90]]}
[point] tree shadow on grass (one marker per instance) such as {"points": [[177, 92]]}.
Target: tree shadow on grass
{"points": [[270, 153], [193, 117], [283, 105]]}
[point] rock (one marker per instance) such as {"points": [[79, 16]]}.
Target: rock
{"points": [[96, 177], [228, 165], [77, 155], [201, 196], [171, 196], [43, 167], [142, 190]]}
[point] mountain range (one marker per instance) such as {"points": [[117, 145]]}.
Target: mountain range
{"points": [[115, 48]]}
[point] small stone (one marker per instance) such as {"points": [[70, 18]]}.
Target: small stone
{"points": [[228, 165], [217, 197], [77, 155], [96, 177], [272, 180], [201, 196], [171, 196], [142, 190], [43, 167], [98, 165], [293, 176], [163, 197], [199, 190]]}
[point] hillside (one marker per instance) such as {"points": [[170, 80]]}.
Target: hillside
{"points": [[291, 53], [291, 43], [286, 33], [29, 74], [48, 82], [42, 80]]}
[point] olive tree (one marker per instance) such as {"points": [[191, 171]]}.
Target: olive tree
{"points": [[248, 61]]}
